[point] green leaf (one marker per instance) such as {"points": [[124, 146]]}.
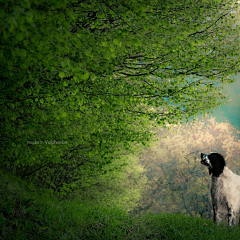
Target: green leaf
{"points": [[115, 41], [85, 75], [64, 114], [61, 74], [136, 42], [20, 36], [75, 78], [75, 70], [145, 27], [25, 42], [23, 52], [29, 16], [25, 4]]}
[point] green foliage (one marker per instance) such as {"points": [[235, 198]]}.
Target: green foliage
{"points": [[119, 186], [82, 82], [28, 214]]}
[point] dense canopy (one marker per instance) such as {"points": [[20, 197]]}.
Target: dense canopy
{"points": [[83, 82]]}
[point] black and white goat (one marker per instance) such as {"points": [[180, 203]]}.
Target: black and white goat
{"points": [[225, 187]]}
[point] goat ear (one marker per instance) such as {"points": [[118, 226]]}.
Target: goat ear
{"points": [[210, 170]]}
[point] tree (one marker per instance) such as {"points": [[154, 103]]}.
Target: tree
{"points": [[117, 188], [177, 180], [82, 81]]}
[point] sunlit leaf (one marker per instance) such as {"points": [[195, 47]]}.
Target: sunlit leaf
{"points": [[61, 74]]}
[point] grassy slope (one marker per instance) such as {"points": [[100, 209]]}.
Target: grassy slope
{"points": [[28, 214]]}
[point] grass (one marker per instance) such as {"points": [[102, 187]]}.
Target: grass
{"points": [[30, 215]]}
